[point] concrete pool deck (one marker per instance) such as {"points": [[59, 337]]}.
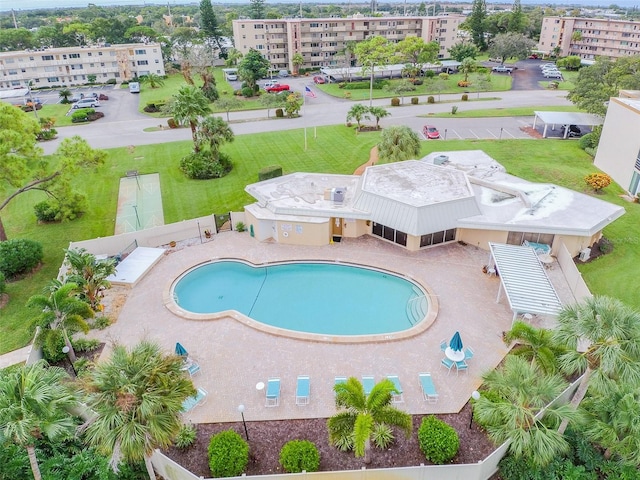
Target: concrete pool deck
{"points": [[234, 357]]}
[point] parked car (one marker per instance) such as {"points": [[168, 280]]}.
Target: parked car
{"points": [[86, 103], [277, 87], [573, 130], [502, 69], [430, 132], [534, 56], [547, 65], [552, 74], [319, 79], [269, 83]]}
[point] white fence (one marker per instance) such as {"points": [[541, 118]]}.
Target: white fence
{"points": [[572, 274]]}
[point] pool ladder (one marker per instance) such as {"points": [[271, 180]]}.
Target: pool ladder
{"points": [[417, 307]]}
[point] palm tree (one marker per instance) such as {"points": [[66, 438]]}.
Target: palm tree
{"points": [[34, 401], [365, 415], [398, 143], [214, 131], [534, 344], [137, 398], [89, 273], [518, 413], [612, 332], [378, 113], [64, 94], [189, 106], [467, 66], [153, 80], [63, 313], [358, 112]]}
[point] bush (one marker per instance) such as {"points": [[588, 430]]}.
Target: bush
{"points": [[92, 117], [247, 92], [111, 81], [415, 100], [271, 171], [101, 322], [47, 134], [429, 74], [154, 107], [46, 210], [377, 85], [3, 284], [454, 110], [279, 113], [598, 181], [172, 123], [240, 227], [430, 99], [443, 76], [186, 436], [605, 245], [299, 455], [589, 140], [438, 441], [80, 116], [19, 256], [85, 344], [465, 97], [463, 84], [228, 454], [203, 165], [417, 81], [52, 348], [395, 102]]}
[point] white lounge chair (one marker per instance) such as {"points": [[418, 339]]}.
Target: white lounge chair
{"points": [[428, 388], [273, 392], [303, 387], [397, 396]]}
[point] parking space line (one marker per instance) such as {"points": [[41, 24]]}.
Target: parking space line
{"points": [[508, 133], [491, 133], [474, 134], [455, 133]]}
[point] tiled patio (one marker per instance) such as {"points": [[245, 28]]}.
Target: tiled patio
{"points": [[234, 357]]}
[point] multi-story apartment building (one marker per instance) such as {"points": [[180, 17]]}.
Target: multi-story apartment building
{"points": [[320, 41], [72, 65], [589, 38]]}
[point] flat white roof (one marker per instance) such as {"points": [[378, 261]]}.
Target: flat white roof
{"points": [[569, 118], [524, 280], [135, 266]]}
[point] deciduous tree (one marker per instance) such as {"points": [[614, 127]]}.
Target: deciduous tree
{"points": [[415, 51], [510, 45], [463, 50], [398, 143], [253, 67]]}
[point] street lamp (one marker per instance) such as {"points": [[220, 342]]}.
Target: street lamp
{"points": [[371, 87], [65, 350], [475, 395], [241, 410]]}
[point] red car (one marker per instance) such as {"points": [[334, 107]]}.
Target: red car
{"points": [[318, 79], [278, 87], [430, 132]]}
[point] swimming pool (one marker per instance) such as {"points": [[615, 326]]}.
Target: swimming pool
{"points": [[312, 297]]}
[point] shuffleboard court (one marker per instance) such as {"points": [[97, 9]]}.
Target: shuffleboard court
{"points": [[139, 203]]}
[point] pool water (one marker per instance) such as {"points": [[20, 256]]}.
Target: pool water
{"points": [[321, 298]]}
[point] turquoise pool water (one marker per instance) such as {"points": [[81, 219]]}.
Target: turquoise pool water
{"points": [[321, 298]]}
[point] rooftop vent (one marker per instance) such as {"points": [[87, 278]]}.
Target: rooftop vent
{"points": [[337, 194], [440, 159]]}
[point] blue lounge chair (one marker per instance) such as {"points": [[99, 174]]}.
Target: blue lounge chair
{"points": [[446, 363], [193, 368], [428, 388], [192, 402], [303, 386], [338, 381], [443, 344], [273, 392], [461, 365], [397, 396], [367, 383], [468, 353]]}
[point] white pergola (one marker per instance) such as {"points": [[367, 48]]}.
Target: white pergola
{"points": [[565, 118], [524, 280]]}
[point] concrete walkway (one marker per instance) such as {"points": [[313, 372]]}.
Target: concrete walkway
{"points": [[17, 356]]}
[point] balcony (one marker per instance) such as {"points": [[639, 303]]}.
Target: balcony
{"points": [[278, 50], [276, 30]]}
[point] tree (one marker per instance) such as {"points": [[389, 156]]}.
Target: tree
{"points": [[226, 104], [256, 8], [378, 113], [483, 83], [213, 132], [375, 50], [153, 80], [141, 34], [476, 23], [233, 57], [89, 273], [13, 39], [189, 106], [508, 45], [517, 20], [572, 62], [533, 344], [137, 398], [401, 88], [209, 84], [34, 402], [463, 50], [209, 26], [23, 166], [64, 94], [358, 112], [182, 41], [293, 104], [415, 51], [398, 143], [364, 415], [63, 314], [467, 66], [612, 331], [272, 100], [253, 67], [297, 60], [521, 393]]}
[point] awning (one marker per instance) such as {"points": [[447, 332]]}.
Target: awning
{"points": [[566, 118], [523, 278]]}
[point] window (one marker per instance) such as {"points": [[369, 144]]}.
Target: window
{"points": [[157, 61], [31, 59], [52, 79], [13, 72], [141, 52], [74, 55], [89, 54], [99, 53], [76, 67], [47, 57], [143, 62], [10, 60], [258, 26]]}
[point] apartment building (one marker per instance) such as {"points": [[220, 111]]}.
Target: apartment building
{"points": [[589, 38], [321, 41], [72, 65]]}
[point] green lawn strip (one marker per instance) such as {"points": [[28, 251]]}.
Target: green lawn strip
{"points": [[501, 112], [57, 111]]}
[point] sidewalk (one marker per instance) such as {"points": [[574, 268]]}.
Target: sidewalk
{"points": [[17, 356]]}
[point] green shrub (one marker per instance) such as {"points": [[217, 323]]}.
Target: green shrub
{"points": [[111, 81], [52, 348], [430, 99], [605, 245], [299, 455], [19, 256], [203, 165], [438, 441], [247, 92], [279, 113], [415, 100], [382, 435], [46, 210], [417, 81], [240, 227], [364, 85], [101, 322], [454, 110], [429, 74], [80, 116], [172, 123], [186, 436], [272, 171], [395, 102], [3, 284], [85, 344], [465, 97], [50, 134], [228, 454], [587, 141]]}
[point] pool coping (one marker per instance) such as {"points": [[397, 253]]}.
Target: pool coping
{"points": [[420, 327]]}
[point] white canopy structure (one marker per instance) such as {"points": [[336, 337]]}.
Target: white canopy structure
{"points": [[523, 278], [565, 118]]}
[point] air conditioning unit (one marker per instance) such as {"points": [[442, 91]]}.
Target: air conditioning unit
{"points": [[585, 254], [440, 159], [337, 194]]}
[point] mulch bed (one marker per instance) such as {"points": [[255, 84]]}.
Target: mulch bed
{"points": [[267, 438]]}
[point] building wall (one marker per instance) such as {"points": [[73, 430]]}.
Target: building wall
{"points": [[352, 228], [619, 145], [320, 40], [597, 37], [72, 65], [481, 238], [300, 233]]}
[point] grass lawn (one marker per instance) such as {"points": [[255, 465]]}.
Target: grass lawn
{"points": [[336, 150], [502, 112], [57, 111]]}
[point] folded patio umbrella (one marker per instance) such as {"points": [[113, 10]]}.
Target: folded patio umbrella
{"points": [[456, 342], [180, 350]]}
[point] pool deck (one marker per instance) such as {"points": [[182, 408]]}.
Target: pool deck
{"points": [[235, 357]]}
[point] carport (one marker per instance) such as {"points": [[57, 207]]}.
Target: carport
{"points": [[524, 280], [565, 119]]}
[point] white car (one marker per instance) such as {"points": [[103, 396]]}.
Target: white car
{"points": [[552, 74], [86, 103]]}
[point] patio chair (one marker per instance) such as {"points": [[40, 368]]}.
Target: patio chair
{"points": [[443, 344], [192, 402], [397, 397], [367, 383], [446, 363], [273, 392], [303, 386], [338, 381], [193, 368], [428, 388], [468, 353], [461, 365]]}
